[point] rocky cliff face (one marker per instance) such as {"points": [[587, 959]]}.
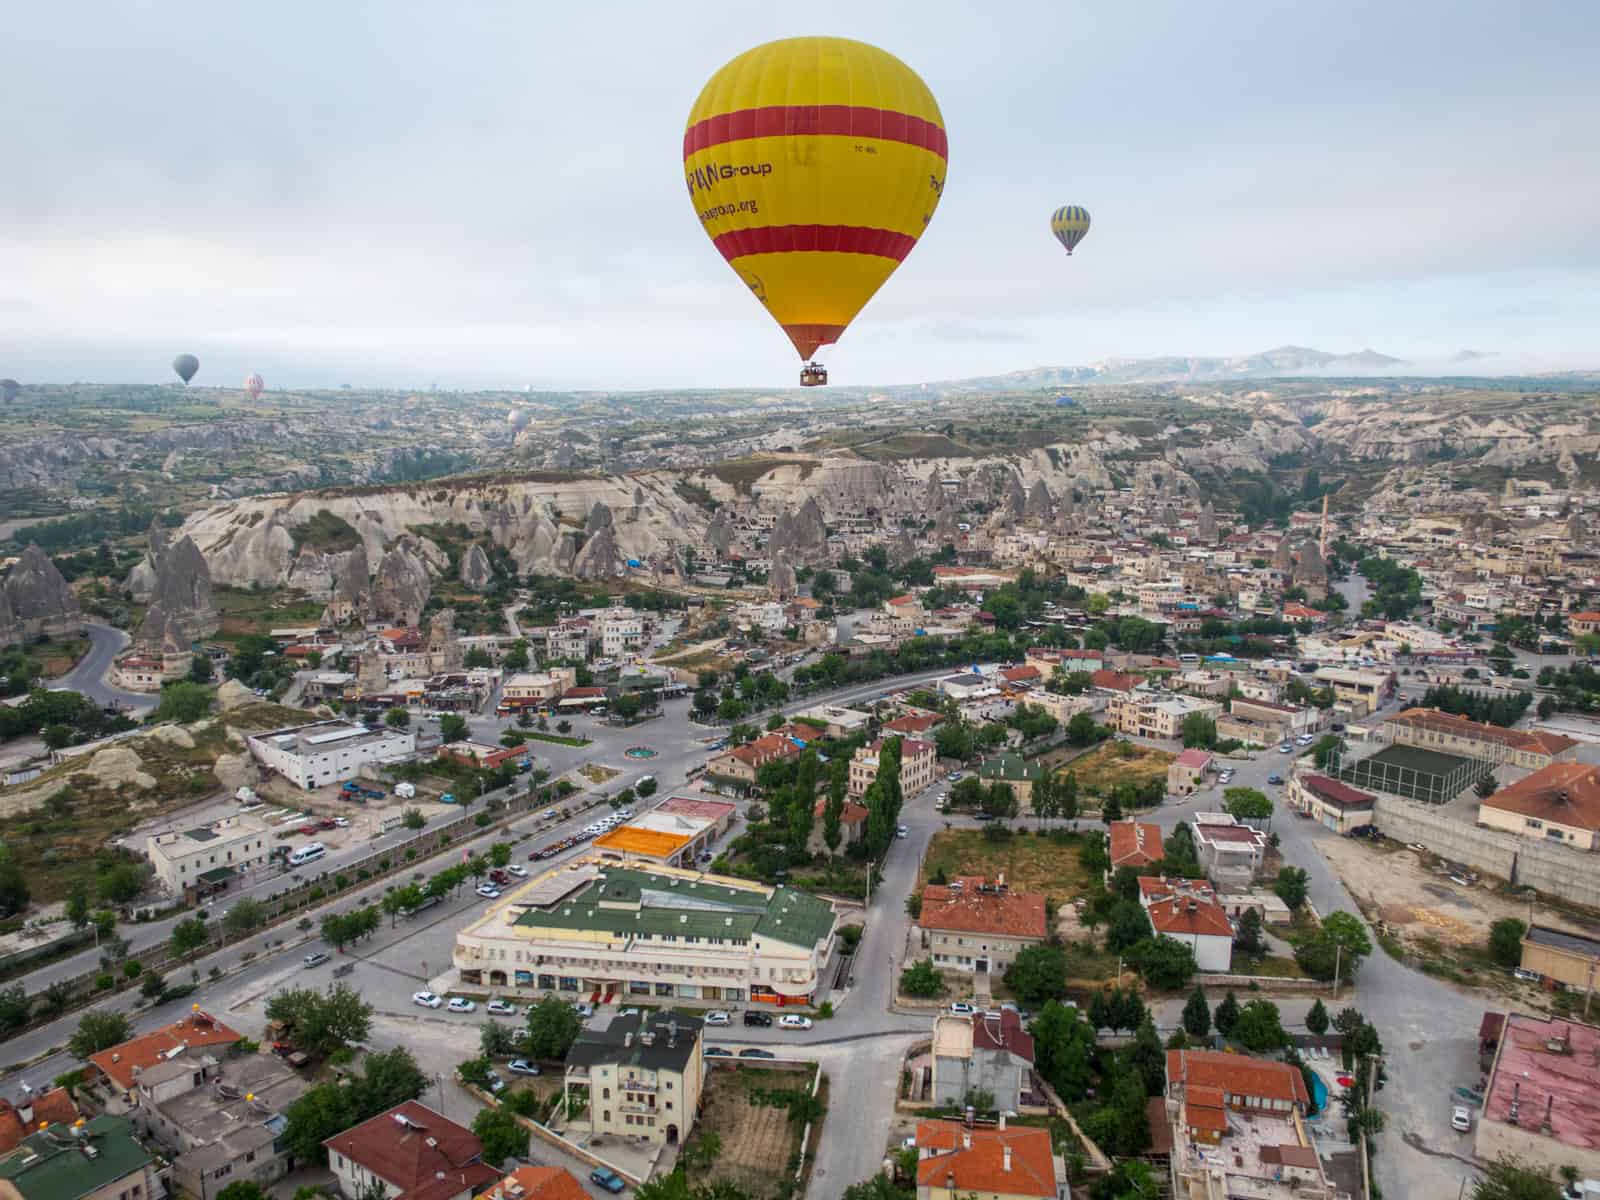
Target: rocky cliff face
{"points": [[475, 570], [181, 606], [402, 587], [35, 600]]}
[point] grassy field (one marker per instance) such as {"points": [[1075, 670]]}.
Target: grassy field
{"points": [[1117, 762], [57, 656], [258, 612], [1047, 864]]}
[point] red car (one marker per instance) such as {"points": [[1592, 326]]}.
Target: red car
{"points": [[308, 830], [327, 823]]}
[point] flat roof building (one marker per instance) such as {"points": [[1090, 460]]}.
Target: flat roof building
{"points": [[310, 756], [205, 858], [674, 833], [1541, 1103], [97, 1159]]}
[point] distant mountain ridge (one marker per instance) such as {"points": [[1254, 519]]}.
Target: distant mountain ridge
{"points": [[1171, 368]]}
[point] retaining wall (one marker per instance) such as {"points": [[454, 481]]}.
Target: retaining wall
{"points": [[1555, 870]]}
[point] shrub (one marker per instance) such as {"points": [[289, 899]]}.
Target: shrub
{"points": [[132, 968], [104, 983]]}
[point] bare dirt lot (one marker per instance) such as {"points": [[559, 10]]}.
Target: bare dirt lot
{"points": [[1396, 888], [758, 1141]]}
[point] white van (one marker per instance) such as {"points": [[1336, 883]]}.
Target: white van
{"points": [[310, 852]]}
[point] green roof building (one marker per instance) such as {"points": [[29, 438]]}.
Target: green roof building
{"points": [[98, 1159]]}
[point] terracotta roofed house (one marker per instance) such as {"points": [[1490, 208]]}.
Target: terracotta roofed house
{"points": [[1199, 923], [1430, 729], [1560, 803], [999, 1164], [1135, 844], [536, 1183], [414, 1152], [971, 924], [17, 1121], [122, 1065]]}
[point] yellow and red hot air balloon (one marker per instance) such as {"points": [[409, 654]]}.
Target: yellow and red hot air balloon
{"points": [[814, 165]]}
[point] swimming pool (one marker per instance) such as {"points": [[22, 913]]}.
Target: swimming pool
{"points": [[1319, 1092]]}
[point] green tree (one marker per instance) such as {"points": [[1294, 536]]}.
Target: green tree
{"points": [[552, 1028], [1197, 1014], [397, 718], [452, 728], [1246, 803], [1111, 809], [1341, 943], [1248, 936], [1505, 941], [1259, 1027], [1128, 925], [1227, 1014], [1509, 1178], [241, 1189], [1064, 1050], [646, 787], [1485, 787], [476, 659], [99, 1030], [1038, 974], [1292, 886], [1199, 730], [1317, 1018], [1164, 962], [245, 915], [16, 1008], [314, 1118], [1081, 730], [1327, 746], [501, 1134], [1148, 1056], [183, 702], [922, 979], [322, 1021], [189, 937], [388, 1077], [120, 882], [200, 672], [77, 906]]}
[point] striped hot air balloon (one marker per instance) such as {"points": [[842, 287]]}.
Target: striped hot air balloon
{"points": [[255, 385], [814, 165], [1070, 225]]}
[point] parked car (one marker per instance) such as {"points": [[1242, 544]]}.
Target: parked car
{"points": [[489, 891], [315, 959], [1527, 976], [1285, 747], [583, 1008], [501, 1008], [521, 1066], [718, 1017], [1274, 778], [794, 1021], [902, 831], [495, 1083], [752, 1052], [426, 999], [717, 1052], [751, 1017], [1460, 1118], [310, 830], [962, 1009], [460, 1004], [607, 1178], [517, 869]]}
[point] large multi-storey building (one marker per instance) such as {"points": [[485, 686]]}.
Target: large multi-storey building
{"points": [[1430, 729], [621, 632], [918, 763], [310, 756], [598, 929], [207, 856], [1154, 714], [972, 924]]}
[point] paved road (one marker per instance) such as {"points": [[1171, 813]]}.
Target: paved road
{"points": [[88, 677]]}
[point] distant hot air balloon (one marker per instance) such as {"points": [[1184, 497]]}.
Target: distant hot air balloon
{"points": [[9, 389], [186, 365], [1070, 225], [517, 418], [255, 385], [814, 165]]}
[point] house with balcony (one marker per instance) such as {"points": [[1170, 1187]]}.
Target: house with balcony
{"points": [[640, 1077]]}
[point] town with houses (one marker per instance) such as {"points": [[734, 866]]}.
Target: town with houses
{"points": [[1007, 831]]}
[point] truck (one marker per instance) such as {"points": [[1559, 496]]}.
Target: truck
{"points": [[406, 791]]}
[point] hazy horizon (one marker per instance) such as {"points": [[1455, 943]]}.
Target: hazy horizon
{"points": [[378, 196]]}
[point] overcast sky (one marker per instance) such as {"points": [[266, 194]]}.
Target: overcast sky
{"points": [[491, 194]]}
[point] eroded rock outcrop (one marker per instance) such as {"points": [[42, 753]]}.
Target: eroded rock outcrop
{"points": [[402, 587], [182, 609], [781, 581], [35, 600], [475, 570]]}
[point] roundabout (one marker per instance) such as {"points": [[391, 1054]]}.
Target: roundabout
{"points": [[639, 752]]}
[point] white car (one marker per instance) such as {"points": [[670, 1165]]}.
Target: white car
{"points": [[458, 1004], [794, 1021], [489, 891], [426, 999], [501, 1008], [517, 869], [521, 1066], [1461, 1118], [342, 822], [624, 814], [962, 1009], [719, 1018], [903, 831]]}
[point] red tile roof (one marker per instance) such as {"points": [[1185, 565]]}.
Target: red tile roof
{"points": [[196, 1030], [851, 814], [1451, 725], [54, 1107], [1160, 887], [916, 723], [1115, 681], [1337, 793], [537, 1183], [965, 909], [1194, 757], [1021, 674], [423, 1153], [1190, 915], [1236, 1074], [976, 1159], [1135, 844], [1562, 793]]}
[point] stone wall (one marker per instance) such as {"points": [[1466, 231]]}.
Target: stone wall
{"points": [[1554, 870]]}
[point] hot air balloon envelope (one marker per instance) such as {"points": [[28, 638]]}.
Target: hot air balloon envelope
{"points": [[186, 365], [255, 385], [814, 164], [1070, 225]]}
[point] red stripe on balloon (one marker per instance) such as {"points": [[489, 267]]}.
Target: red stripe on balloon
{"points": [[837, 120], [840, 239]]}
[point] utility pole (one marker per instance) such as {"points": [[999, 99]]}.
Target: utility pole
{"points": [[1338, 954]]}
